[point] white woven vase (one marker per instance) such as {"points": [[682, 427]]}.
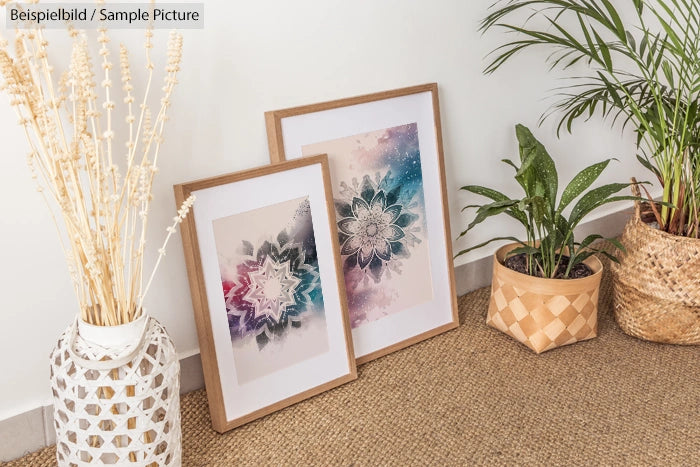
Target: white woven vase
{"points": [[116, 394]]}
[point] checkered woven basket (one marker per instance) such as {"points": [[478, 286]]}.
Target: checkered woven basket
{"points": [[117, 405], [543, 313]]}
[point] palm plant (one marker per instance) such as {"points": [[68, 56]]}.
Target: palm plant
{"points": [[645, 73]]}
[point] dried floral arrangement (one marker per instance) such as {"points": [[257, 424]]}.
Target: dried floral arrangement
{"points": [[101, 190]]}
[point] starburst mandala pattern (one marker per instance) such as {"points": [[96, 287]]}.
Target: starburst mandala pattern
{"points": [[376, 224], [275, 287], [272, 289]]}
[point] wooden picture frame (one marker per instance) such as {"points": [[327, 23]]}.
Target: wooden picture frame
{"points": [[357, 134], [267, 288]]}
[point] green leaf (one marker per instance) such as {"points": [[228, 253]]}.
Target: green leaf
{"points": [[647, 164], [580, 182], [527, 249], [616, 20], [470, 206], [612, 91], [639, 5], [611, 257], [593, 199], [588, 240], [580, 258], [483, 191], [495, 196], [511, 163], [604, 51], [617, 244], [587, 209], [591, 47], [495, 239], [489, 210], [526, 139], [525, 175], [535, 206], [562, 225], [545, 175], [670, 31], [668, 72]]}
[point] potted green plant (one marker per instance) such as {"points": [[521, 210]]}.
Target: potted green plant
{"points": [[544, 291], [640, 66]]}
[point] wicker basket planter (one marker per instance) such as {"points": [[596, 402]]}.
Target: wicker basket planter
{"points": [[543, 313], [116, 402], [656, 288]]}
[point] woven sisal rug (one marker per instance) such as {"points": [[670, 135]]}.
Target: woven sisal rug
{"points": [[473, 396]]}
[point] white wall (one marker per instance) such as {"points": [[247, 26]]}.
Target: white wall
{"points": [[265, 55]]}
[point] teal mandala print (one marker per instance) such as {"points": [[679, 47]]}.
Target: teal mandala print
{"points": [[382, 220], [376, 227]]}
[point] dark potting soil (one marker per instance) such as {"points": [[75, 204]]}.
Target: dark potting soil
{"points": [[518, 263]]}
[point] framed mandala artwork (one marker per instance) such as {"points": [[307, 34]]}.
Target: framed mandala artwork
{"points": [[267, 288], [388, 183]]}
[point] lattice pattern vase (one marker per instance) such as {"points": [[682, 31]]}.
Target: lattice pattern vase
{"points": [[116, 395], [543, 313]]}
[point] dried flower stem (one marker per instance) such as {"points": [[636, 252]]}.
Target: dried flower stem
{"points": [[70, 135]]}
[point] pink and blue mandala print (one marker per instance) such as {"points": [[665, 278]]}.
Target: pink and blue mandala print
{"points": [[277, 284]]}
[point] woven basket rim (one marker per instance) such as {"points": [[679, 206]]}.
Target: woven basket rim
{"points": [[654, 259], [663, 234], [546, 286], [592, 262]]}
